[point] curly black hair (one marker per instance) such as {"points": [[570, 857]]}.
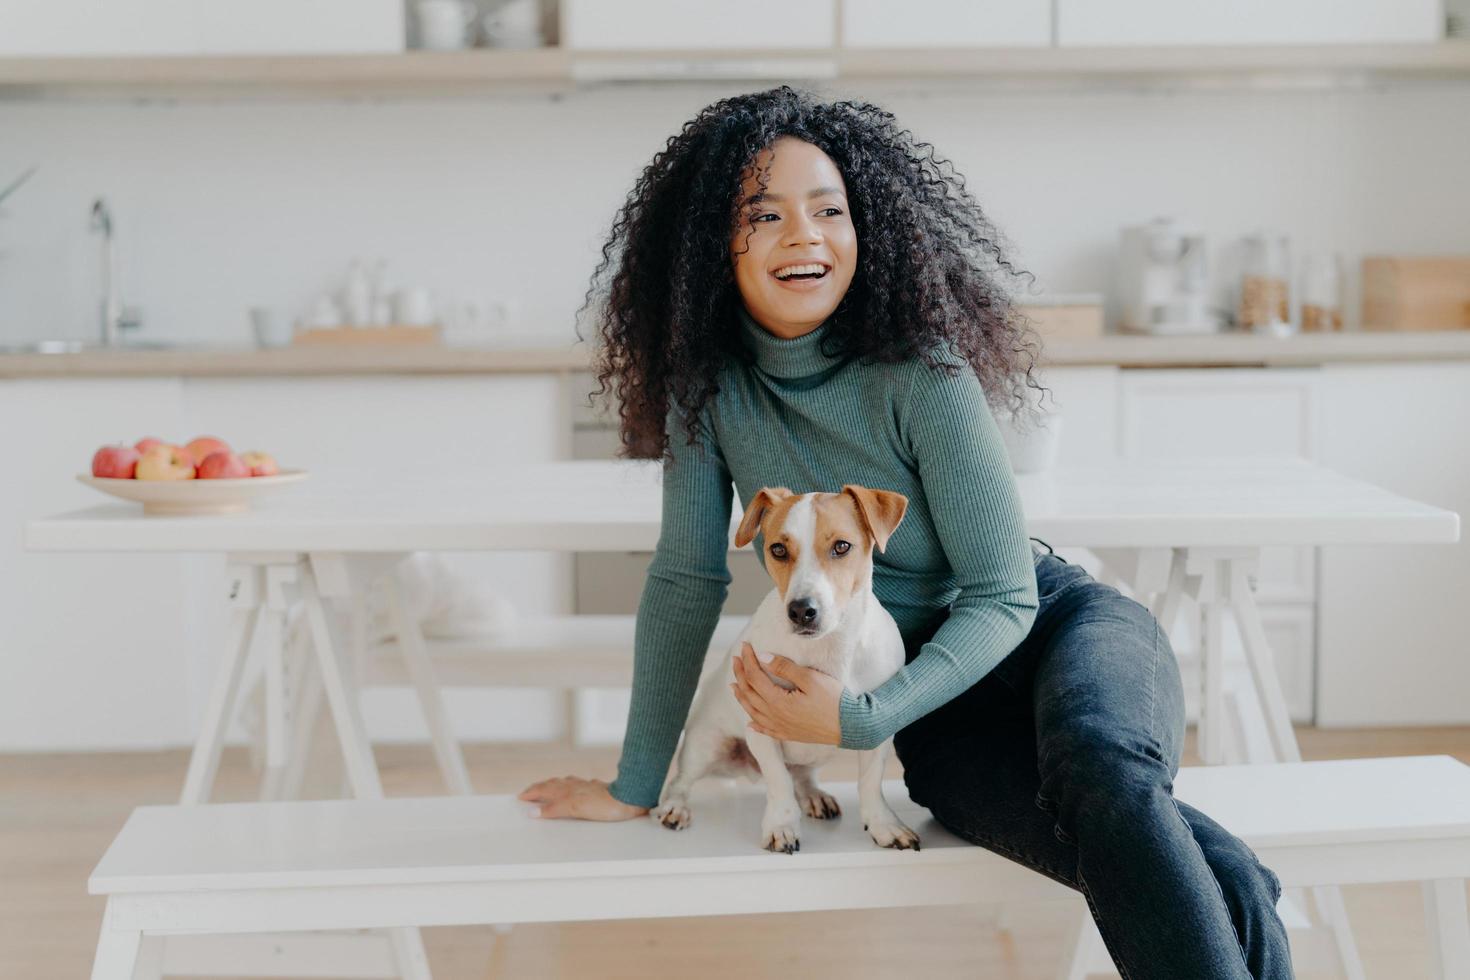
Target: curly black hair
{"points": [[929, 278]]}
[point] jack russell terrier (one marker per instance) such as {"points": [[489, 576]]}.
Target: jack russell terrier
{"points": [[822, 614]]}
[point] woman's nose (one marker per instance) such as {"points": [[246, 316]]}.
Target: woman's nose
{"points": [[802, 229]]}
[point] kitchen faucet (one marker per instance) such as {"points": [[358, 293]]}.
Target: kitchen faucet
{"points": [[115, 318]]}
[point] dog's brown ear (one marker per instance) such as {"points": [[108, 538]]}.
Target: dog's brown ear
{"points": [[764, 499], [881, 511]]}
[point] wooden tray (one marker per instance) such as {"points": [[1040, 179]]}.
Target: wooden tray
{"points": [[362, 336]]}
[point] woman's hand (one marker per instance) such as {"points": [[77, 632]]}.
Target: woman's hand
{"points": [[580, 799], [811, 712]]}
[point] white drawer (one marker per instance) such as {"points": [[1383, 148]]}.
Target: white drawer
{"points": [[589, 25], [946, 23], [1129, 22]]}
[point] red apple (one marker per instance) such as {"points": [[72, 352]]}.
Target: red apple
{"points": [[143, 445], [223, 466], [116, 462], [165, 463], [203, 446], [261, 464]]}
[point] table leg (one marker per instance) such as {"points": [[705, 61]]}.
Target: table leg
{"points": [[1211, 726], [1263, 666], [204, 761], [305, 713], [1449, 929], [357, 751], [1224, 585], [447, 749]]}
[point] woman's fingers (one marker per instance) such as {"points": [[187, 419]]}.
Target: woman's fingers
{"points": [[757, 678], [546, 789], [561, 807]]}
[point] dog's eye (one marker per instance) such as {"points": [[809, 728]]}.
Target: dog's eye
{"points": [[778, 551], [841, 548]]}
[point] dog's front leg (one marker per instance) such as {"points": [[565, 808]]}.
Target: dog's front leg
{"points": [[782, 816], [879, 820]]}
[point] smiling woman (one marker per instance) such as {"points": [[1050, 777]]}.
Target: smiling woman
{"points": [[806, 298]]}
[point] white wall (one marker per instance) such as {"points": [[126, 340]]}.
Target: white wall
{"points": [[223, 206]]}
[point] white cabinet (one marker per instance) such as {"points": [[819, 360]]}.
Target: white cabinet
{"points": [[1145, 22], [116, 651], [93, 645], [946, 23], [64, 28], [1166, 414], [591, 25], [1396, 650]]}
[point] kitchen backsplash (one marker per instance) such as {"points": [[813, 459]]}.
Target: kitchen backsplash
{"points": [[219, 208]]}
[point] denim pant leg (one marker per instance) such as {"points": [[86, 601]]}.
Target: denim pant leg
{"points": [[1062, 759]]}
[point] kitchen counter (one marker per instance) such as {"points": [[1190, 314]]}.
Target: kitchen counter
{"points": [[1220, 350]]}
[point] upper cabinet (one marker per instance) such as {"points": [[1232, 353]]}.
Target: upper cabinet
{"points": [[616, 25], [67, 28], [1211, 22], [946, 23], [124, 48]]}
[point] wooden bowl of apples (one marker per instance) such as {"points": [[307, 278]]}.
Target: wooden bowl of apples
{"points": [[202, 476]]}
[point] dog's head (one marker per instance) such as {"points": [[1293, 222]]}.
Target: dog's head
{"points": [[819, 547]]}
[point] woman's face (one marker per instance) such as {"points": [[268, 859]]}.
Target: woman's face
{"points": [[800, 219]]}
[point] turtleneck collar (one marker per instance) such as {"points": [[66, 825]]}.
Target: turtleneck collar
{"points": [[799, 357]]}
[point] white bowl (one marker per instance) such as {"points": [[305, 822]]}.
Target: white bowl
{"points": [[173, 497]]}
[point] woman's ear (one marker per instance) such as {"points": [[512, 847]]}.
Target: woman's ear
{"points": [[881, 511], [764, 500]]}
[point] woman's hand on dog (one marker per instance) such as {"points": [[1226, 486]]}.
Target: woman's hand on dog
{"points": [[579, 799], [810, 712]]}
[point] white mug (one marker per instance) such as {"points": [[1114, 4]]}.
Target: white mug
{"points": [[442, 23], [413, 307], [515, 17]]}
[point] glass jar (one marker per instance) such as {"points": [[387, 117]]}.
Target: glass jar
{"points": [[1322, 293], [1265, 295]]}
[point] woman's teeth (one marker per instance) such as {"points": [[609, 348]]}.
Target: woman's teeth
{"points": [[802, 272]]}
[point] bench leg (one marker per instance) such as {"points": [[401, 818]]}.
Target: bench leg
{"points": [[150, 959], [408, 950], [117, 950], [1082, 948], [1449, 927]]}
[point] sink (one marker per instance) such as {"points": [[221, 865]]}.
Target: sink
{"points": [[78, 346]]}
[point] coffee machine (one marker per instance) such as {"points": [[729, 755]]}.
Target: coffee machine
{"points": [[1164, 280]]}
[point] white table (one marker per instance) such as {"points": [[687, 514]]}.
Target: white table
{"points": [[1168, 529]]}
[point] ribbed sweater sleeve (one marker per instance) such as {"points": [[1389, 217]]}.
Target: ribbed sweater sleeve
{"points": [[972, 496], [678, 611]]}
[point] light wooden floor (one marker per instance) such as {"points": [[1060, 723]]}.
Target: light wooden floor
{"points": [[58, 813]]}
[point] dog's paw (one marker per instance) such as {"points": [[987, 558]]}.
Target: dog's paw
{"points": [[673, 814], [893, 834], [782, 840], [819, 805]]}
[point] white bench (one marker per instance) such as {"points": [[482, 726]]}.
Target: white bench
{"points": [[349, 864], [540, 651]]}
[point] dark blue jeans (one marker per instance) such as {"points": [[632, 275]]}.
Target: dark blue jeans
{"points": [[1062, 758]]}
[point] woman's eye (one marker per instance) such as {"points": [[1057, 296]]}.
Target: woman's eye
{"points": [[841, 548], [760, 216], [838, 210], [778, 551]]}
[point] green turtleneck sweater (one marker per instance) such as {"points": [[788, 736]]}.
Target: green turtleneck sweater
{"points": [[800, 419]]}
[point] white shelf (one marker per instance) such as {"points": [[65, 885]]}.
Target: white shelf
{"points": [[474, 71]]}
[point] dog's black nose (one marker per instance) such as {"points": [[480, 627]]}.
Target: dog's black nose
{"points": [[801, 612]]}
